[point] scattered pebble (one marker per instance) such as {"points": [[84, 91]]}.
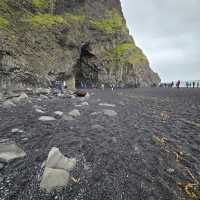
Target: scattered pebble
{"points": [[39, 111], [16, 130], [58, 113], [107, 105], [110, 113], [170, 170], [46, 118], [75, 113]]}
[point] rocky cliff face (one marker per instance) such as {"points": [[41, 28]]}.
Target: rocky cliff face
{"points": [[71, 40]]}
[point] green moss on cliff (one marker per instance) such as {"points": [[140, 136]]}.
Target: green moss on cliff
{"points": [[4, 23], [124, 54], [137, 56], [40, 3], [113, 22], [73, 19], [46, 20], [118, 53]]}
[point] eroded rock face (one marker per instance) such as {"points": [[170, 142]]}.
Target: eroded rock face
{"points": [[56, 172], [72, 41]]}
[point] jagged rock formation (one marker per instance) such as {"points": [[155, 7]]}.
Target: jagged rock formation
{"points": [[71, 40]]}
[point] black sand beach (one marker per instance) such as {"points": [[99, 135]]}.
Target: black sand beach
{"points": [[149, 151]]}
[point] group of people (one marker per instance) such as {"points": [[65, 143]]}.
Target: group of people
{"points": [[178, 83], [192, 84]]}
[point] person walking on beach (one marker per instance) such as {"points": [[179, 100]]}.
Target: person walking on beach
{"points": [[193, 84], [112, 87], [102, 86], [187, 84], [178, 84], [172, 84]]}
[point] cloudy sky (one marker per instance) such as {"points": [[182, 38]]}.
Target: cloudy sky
{"points": [[168, 31]]}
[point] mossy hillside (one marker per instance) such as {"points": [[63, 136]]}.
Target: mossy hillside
{"points": [[111, 23], [4, 23], [40, 4], [124, 54], [46, 20], [75, 19]]}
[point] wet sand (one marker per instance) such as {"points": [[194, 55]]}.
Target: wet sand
{"points": [[149, 151]]}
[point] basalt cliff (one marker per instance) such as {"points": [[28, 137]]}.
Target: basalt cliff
{"points": [[69, 40]]}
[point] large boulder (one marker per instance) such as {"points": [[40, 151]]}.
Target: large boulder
{"points": [[56, 172], [54, 178], [57, 160], [10, 151]]}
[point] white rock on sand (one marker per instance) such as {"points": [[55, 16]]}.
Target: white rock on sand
{"points": [[23, 96], [56, 172], [74, 113], [39, 111], [46, 118], [10, 151], [8, 104], [58, 113], [82, 104], [107, 105], [16, 130], [95, 113], [110, 113], [67, 118], [1, 166], [97, 127]]}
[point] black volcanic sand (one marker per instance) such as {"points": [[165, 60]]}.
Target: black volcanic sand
{"points": [[149, 151]]}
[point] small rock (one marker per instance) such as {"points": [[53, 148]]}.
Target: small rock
{"points": [[58, 113], [43, 96], [1, 166], [1, 96], [23, 96], [16, 130], [85, 104], [46, 118], [95, 113], [10, 152], [107, 105], [43, 91], [67, 118], [74, 113], [110, 113], [82, 104], [39, 111], [114, 139], [122, 103], [170, 170], [8, 104], [96, 126]]}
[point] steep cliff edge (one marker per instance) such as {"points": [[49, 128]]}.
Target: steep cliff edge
{"points": [[71, 40]]}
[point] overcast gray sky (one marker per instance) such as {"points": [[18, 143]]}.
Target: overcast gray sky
{"points": [[168, 31]]}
